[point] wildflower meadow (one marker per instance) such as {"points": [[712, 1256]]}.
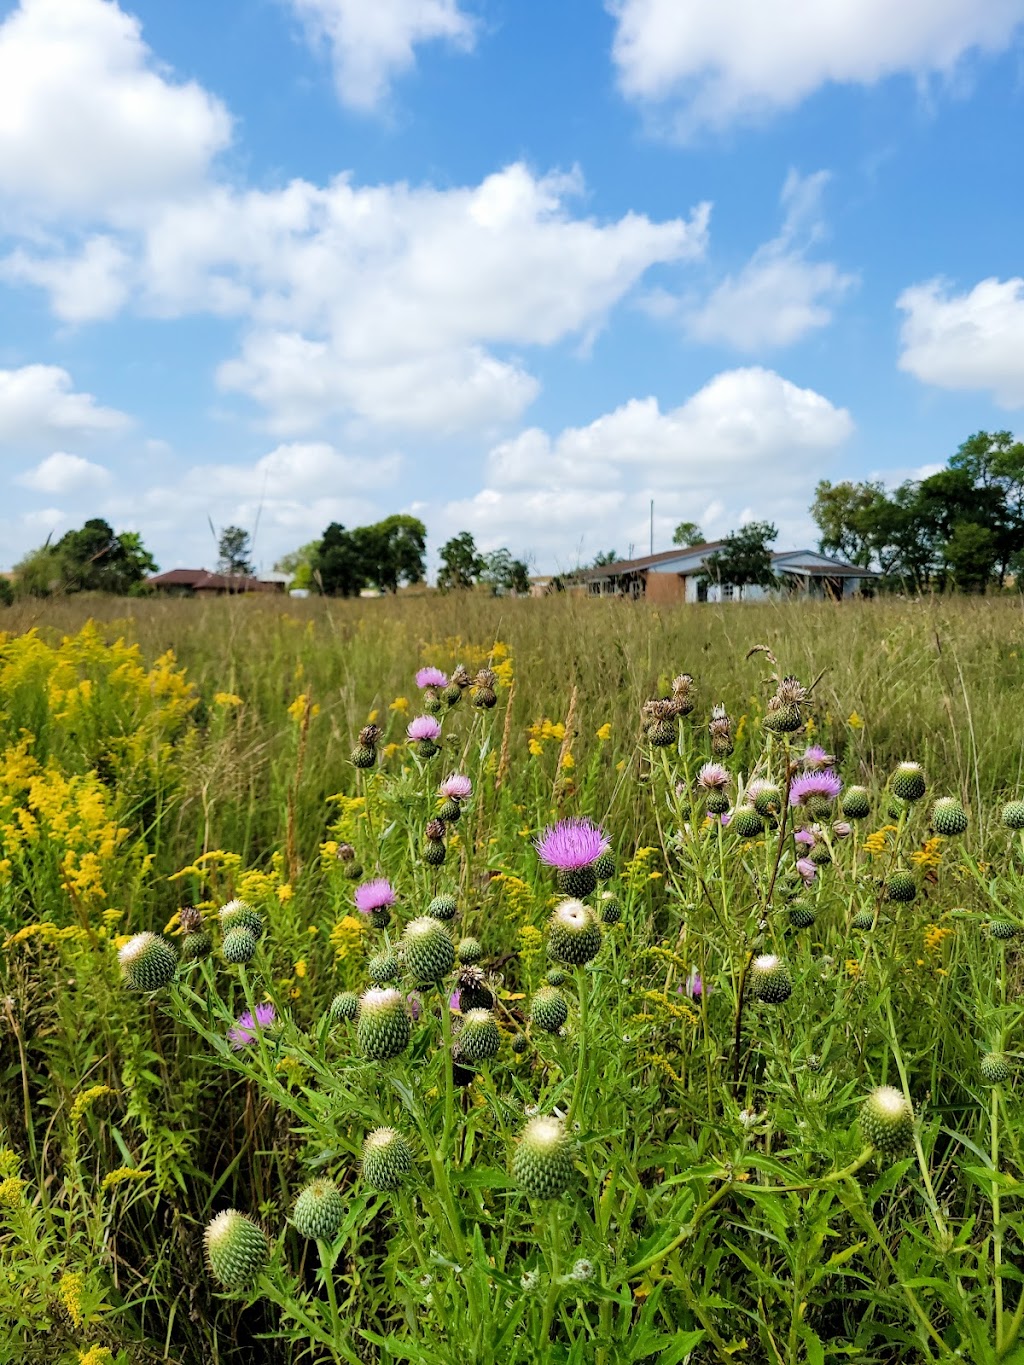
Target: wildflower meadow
{"points": [[459, 980]]}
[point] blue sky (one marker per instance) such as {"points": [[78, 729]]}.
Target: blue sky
{"points": [[517, 267]]}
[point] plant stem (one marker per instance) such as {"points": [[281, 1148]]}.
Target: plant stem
{"points": [[583, 992]]}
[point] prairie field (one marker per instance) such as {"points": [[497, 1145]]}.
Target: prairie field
{"points": [[303, 1061]]}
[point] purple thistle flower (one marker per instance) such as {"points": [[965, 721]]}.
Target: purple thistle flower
{"points": [[415, 1006], [431, 677], [825, 784], [246, 1030], [815, 759], [805, 838], [456, 787], [694, 984], [376, 895], [725, 819], [424, 727], [572, 843], [713, 777], [454, 1000], [807, 870]]}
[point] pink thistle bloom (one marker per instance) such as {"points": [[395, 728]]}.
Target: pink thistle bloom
{"points": [[805, 838], [572, 843], [248, 1027], [376, 895], [431, 677], [424, 727], [815, 759], [725, 819], [415, 1006], [454, 1000], [456, 787], [807, 870], [808, 785], [713, 777]]}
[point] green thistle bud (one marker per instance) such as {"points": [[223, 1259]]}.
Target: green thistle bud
{"points": [[434, 852], [856, 803], [542, 1163], [431, 702], [782, 719], [819, 853], [820, 807], [662, 733], [520, 1043], [452, 694], [240, 915], [344, 1007], [148, 962], [387, 1159], [469, 951], [383, 1028], [863, 919], [363, 756], [319, 1210], [746, 822], [949, 816], [237, 1250], [548, 1010], [428, 950], [995, 1069], [801, 915], [610, 908], [485, 697], [426, 748], [767, 800], [897, 808], [450, 811], [1013, 815], [196, 945], [900, 886], [555, 977], [574, 934], [604, 868], [239, 946], [770, 981], [443, 907], [1002, 930], [887, 1121], [479, 1038], [576, 881], [908, 782], [716, 803], [383, 967]]}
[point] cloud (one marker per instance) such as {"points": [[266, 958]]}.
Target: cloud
{"points": [[372, 41], [38, 405], [779, 295], [972, 341], [83, 288], [748, 430], [62, 473], [87, 120], [717, 62]]}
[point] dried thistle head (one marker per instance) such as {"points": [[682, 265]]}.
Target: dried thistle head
{"points": [[434, 829], [460, 677], [683, 694], [370, 735], [790, 692], [720, 730], [345, 853], [486, 678], [190, 919], [658, 708]]}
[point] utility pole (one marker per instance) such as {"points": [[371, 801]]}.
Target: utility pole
{"points": [[652, 526]]}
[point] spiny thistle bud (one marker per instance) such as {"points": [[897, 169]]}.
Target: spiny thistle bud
{"points": [[770, 981], [479, 1038], [819, 852], [900, 886], [237, 1249], [148, 962], [241, 915], [443, 907], [469, 951], [383, 1027], [542, 1163], [387, 1159], [659, 719], [716, 803], [383, 967], [239, 946], [610, 908], [428, 950], [576, 881], [720, 730], [746, 822], [887, 1120], [1013, 815], [582, 1271], [555, 977], [801, 915], [473, 991], [782, 718], [452, 694], [363, 756], [604, 866], [765, 797], [995, 1069], [344, 1007], [907, 782], [574, 934], [346, 855], [450, 811], [520, 1043], [548, 1010], [1002, 930], [949, 816], [434, 852], [484, 694], [863, 919], [319, 1210], [196, 945], [856, 803], [431, 702]]}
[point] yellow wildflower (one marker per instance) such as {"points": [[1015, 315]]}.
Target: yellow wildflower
{"points": [[568, 761], [302, 706], [300, 968], [285, 892], [854, 721], [70, 1289], [852, 967], [124, 1175], [531, 943], [9, 1162], [346, 936], [95, 1355], [536, 748], [85, 1101], [390, 750], [934, 937], [226, 699], [10, 1192], [877, 843], [604, 732], [929, 854], [400, 704], [373, 717]]}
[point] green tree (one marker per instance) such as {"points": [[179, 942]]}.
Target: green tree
{"points": [[504, 574], [604, 557], [847, 515], [234, 552], [299, 564], [687, 533], [91, 559], [339, 568], [461, 564], [970, 556], [395, 551], [745, 558]]}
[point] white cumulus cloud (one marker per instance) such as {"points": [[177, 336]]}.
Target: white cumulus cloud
{"points": [[39, 404], [720, 61], [64, 473], [372, 41], [972, 341]]}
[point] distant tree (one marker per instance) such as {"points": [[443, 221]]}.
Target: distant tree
{"points": [[604, 557], [298, 564], [504, 574], [744, 559], [91, 559], [234, 552], [687, 533], [847, 516], [339, 565], [6, 592], [461, 564], [970, 556], [395, 551]]}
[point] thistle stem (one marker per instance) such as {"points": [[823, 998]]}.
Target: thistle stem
{"points": [[583, 993]]}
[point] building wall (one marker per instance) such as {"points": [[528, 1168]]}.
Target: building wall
{"points": [[665, 587]]}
